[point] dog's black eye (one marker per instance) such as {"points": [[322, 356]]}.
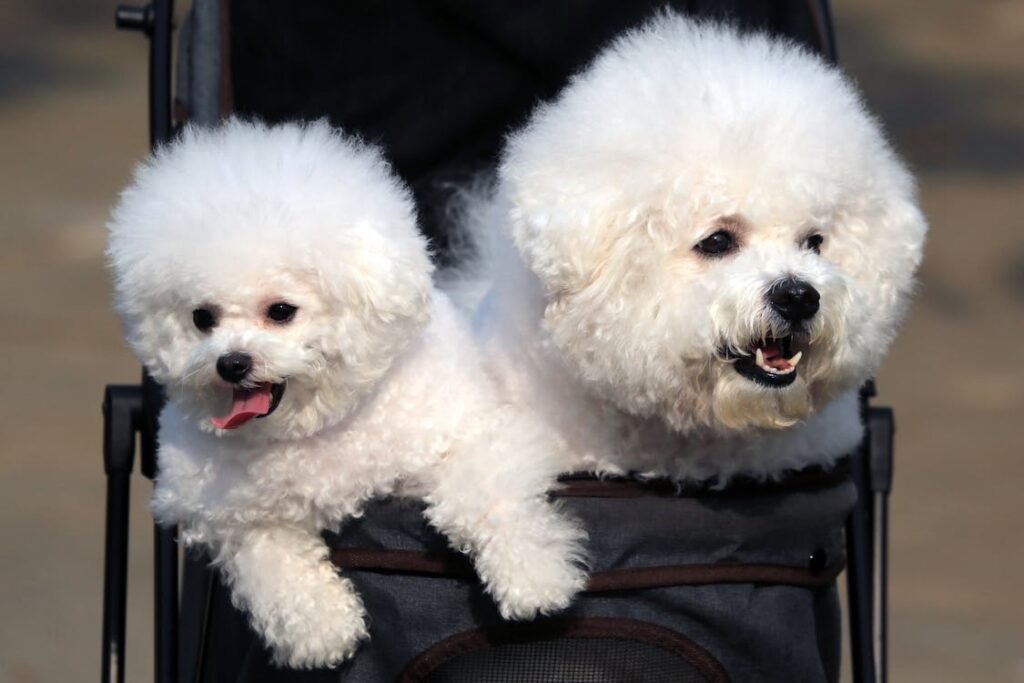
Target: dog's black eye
{"points": [[717, 244], [204, 319], [281, 312], [813, 242]]}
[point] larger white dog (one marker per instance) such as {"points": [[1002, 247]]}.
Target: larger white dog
{"points": [[713, 248], [274, 282]]}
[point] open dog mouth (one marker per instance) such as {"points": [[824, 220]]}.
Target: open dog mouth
{"points": [[770, 362], [250, 402]]}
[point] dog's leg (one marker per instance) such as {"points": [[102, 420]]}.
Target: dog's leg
{"points": [[490, 498], [305, 611]]}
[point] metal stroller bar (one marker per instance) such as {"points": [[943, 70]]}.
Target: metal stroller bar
{"points": [[131, 410], [867, 540], [155, 21], [822, 17], [860, 564], [165, 547], [127, 411], [881, 428], [122, 409]]}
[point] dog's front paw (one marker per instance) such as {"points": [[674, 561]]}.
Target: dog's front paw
{"points": [[323, 636], [547, 583]]}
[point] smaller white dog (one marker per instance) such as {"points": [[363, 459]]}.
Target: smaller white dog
{"points": [[274, 282], [712, 247]]}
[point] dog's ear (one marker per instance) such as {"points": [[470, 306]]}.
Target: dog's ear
{"points": [[577, 246], [377, 273], [879, 247]]}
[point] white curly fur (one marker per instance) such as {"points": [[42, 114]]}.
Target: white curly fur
{"points": [[603, 317], [385, 392]]}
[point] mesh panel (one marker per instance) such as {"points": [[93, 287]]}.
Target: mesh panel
{"points": [[568, 660]]}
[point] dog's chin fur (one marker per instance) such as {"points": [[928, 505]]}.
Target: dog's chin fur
{"points": [[676, 131], [737, 404], [384, 390]]}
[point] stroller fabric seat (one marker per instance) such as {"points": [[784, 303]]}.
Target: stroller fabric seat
{"points": [[692, 585]]}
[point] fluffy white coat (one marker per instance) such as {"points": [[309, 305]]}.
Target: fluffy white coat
{"points": [[605, 315], [384, 392]]}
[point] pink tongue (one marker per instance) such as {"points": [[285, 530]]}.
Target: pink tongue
{"points": [[245, 405], [773, 357]]}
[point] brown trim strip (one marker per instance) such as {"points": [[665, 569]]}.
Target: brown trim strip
{"points": [[416, 562], [402, 561], [710, 574], [583, 485], [594, 627]]}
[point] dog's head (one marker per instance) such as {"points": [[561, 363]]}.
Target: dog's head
{"points": [[725, 239], [270, 273]]}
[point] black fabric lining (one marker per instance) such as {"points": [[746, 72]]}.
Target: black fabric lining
{"points": [[611, 630], [584, 485]]}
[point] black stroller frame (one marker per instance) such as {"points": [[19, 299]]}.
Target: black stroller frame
{"points": [[131, 411]]}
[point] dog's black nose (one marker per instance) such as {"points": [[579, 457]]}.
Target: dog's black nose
{"points": [[794, 300], [234, 366]]}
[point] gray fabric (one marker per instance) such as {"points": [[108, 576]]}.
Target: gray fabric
{"points": [[199, 63], [757, 632]]}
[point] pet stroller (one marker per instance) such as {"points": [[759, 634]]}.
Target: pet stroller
{"points": [[696, 584]]}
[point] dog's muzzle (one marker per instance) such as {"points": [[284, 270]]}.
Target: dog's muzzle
{"points": [[770, 362]]}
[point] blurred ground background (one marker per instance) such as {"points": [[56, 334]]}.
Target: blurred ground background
{"points": [[947, 77]]}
